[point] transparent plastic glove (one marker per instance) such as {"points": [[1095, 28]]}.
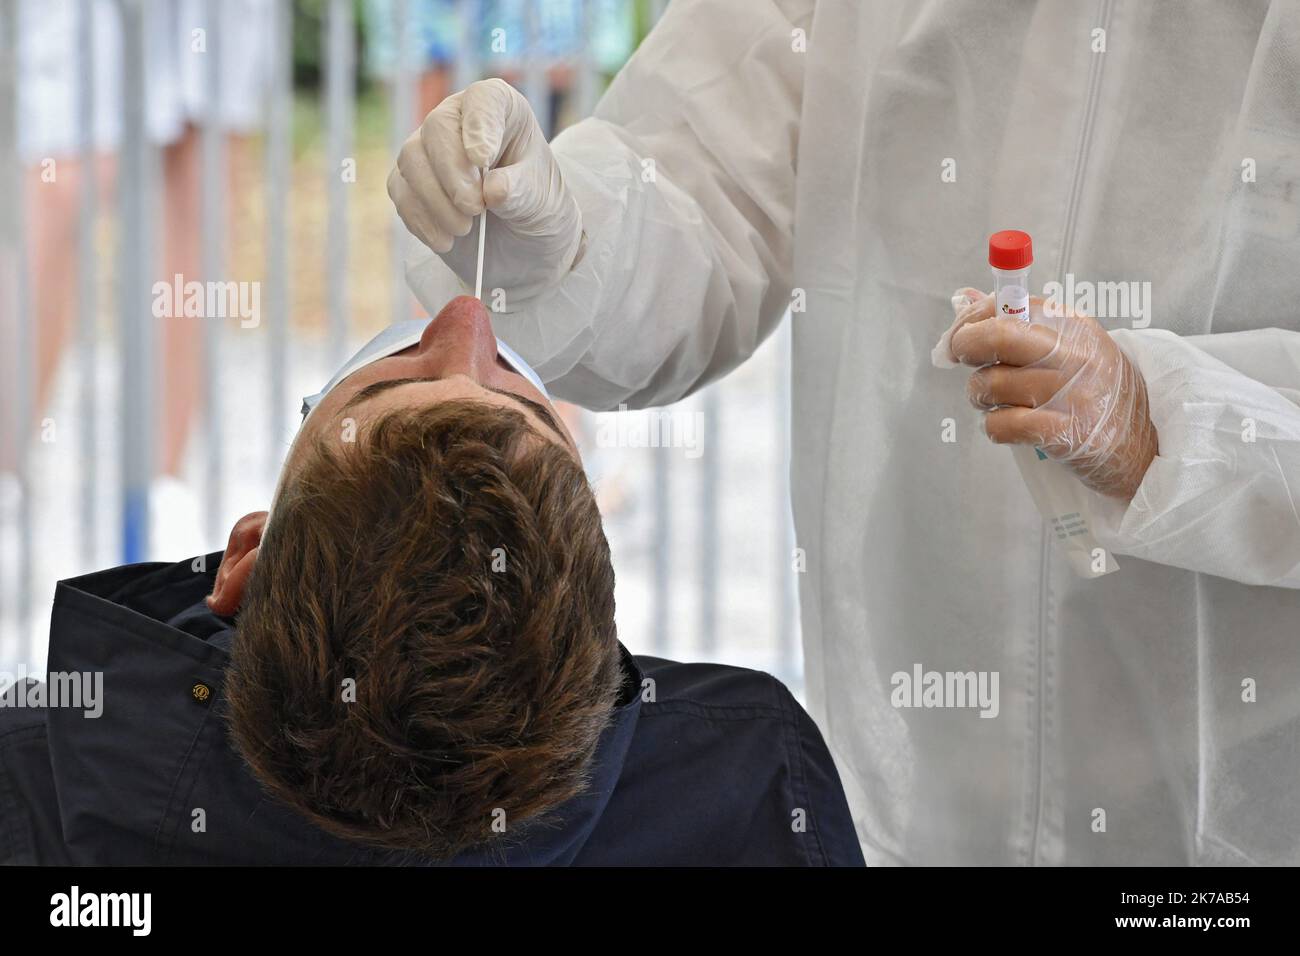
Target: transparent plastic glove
{"points": [[534, 233], [1063, 385]]}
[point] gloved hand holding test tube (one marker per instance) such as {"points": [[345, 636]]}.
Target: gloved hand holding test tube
{"points": [[1058, 391]]}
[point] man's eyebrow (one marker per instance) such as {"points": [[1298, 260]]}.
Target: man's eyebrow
{"points": [[378, 388], [538, 408]]}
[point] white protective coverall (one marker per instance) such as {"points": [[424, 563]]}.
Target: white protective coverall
{"points": [[1148, 716]]}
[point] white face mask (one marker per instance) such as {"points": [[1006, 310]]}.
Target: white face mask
{"points": [[395, 338]]}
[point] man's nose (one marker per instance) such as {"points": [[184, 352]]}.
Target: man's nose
{"points": [[459, 340]]}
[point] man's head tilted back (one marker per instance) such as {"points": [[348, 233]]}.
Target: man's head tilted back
{"points": [[426, 628]]}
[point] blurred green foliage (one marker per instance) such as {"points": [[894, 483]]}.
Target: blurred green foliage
{"points": [[309, 43]]}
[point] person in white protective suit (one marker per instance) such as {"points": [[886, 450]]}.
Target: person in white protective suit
{"points": [[852, 158]]}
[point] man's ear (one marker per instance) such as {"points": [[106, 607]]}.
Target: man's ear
{"points": [[237, 564]]}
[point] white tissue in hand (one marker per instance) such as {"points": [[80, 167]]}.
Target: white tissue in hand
{"points": [[941, 354]]}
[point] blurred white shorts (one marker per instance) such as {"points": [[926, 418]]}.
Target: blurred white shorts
{"points": [[176, 68]]}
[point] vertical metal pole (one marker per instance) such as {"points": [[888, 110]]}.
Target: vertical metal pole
{"points": [[8, 275], [403, 99], [26, 405], [17, 299], [470, 20], [710, 551], [787, 589], [213, 213], [87, 299], [340, 78], [279, 146], [587, 83], [537, 89], [134, 243], [661, 604]]}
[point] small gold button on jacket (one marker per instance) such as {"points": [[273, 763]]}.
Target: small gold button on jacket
{"points": [[201, 692]]}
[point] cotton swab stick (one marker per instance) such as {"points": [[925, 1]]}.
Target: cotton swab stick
{"points": [[482, 234]]}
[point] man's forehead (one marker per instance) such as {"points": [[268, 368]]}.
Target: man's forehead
{"points": [[376, 399]]}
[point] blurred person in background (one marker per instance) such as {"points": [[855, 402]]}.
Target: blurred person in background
{"points": [[433, 38], [604, 31], [177, 104]]}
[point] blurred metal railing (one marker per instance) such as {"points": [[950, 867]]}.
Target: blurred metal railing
{"points": [[213, 218], [137, 333], [135, 246], [340, 78], [279, 158], [19, 349], [86, 338]]}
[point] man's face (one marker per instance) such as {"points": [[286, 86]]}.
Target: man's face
{"points": [[455, 359]]}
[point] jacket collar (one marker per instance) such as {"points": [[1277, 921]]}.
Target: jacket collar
{"points": [[145, 627]]}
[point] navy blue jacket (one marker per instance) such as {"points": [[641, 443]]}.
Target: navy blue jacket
{"points": [[722, 767]]}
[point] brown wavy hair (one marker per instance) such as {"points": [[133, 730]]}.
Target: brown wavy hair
{"points": [[452, 564]]}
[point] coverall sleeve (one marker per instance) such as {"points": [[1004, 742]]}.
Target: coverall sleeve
{"points": [[1223, 495], [685, 175]]}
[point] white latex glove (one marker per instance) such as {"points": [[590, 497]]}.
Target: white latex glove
{"points": [[1062, 384], [534, 230]]}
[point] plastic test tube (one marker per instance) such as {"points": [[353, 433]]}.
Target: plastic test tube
{"points": [[1011, 253]]}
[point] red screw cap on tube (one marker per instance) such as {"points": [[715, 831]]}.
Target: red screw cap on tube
{"points": [[1011, 250]]}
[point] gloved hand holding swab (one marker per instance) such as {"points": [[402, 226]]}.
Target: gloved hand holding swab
{"points": [[484, 147]]}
